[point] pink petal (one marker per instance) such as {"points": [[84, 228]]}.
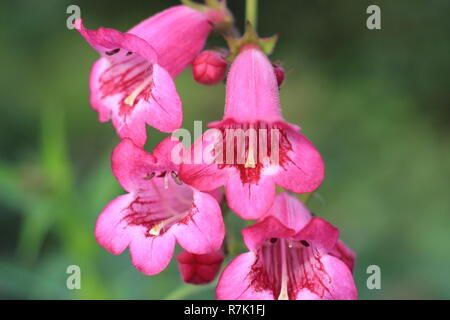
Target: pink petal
{"points": [[250, 200], [163, 111], [150, 255], [110, 228], [339, 284], [131, 166], [199, 269], [97, 103], [203, 231], [131, 126], [290, 211], [305, 170], [255, 235], [200, 169], [235, 283], [252, 89], [320, 233], [203, 177], [167, 151], [104, 40]]}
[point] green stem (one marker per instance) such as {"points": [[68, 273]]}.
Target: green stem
{"points": [[252, 12], [305, 197]]}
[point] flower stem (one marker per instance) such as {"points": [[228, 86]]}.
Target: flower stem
{"points": [[252, 12], [305, 197]]}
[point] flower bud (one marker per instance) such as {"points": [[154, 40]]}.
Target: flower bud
{"points": [[279, 72], [209, 67], [199, 268]]}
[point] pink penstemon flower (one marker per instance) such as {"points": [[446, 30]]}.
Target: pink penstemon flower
{"points": [[158, 210], [269, 151], [290, 258], [132, 83]]}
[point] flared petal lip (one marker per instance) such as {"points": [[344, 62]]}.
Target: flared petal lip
{"points": [[250, 200], [168, 115], [105, 227], [255, 235], [203, 230], [319, 232], [290, 211], [150, 258], [113, 39], [164, 152], [130, 163], [235, 281]]}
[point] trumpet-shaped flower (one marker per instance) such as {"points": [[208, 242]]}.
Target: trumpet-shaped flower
{"points": [[158, 211], [289, 258], [253, 149], [132, 82]]}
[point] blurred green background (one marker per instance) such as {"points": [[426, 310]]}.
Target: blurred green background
{"points": [[375, 103]]}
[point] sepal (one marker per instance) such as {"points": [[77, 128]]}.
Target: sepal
{"points": [[267, 45]]}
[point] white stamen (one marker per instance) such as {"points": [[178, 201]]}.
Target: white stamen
{"points": [[284, 276], [250, 163], [132, 97], [156, 230]]}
